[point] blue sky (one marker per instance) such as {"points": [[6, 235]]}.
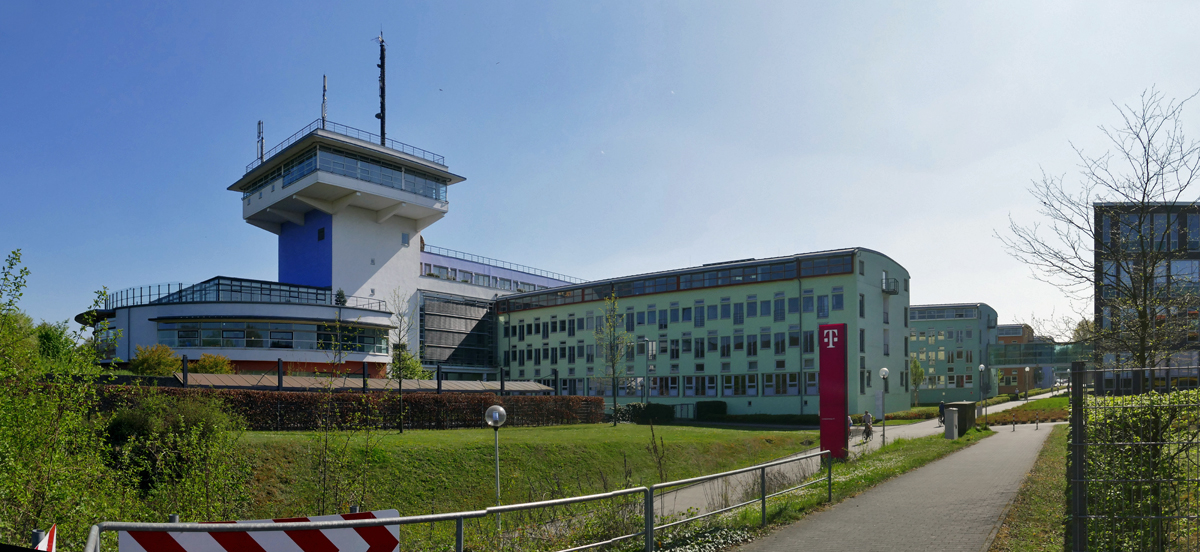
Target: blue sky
{"points": [[598, 138]]}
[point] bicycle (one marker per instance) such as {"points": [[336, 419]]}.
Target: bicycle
{"points": [[868, 431]]}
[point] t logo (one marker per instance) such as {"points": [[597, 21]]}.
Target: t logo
{"points": [[830, 338]]}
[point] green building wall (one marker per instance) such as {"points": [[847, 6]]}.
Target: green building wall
{"points": [[795, 366], [951, 341]]}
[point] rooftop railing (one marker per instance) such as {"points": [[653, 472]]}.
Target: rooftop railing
{"points": [[352, 132], [234, 290], [502, 264]]}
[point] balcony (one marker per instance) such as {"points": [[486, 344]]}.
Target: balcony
{"points": [[890, 286]]}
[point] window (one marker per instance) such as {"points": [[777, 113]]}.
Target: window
{"points": [[780, 344], [712, 343], [740, 386], [780, 364], [686, 314], [662, 319], [751, 306], [823, 306], [793, 304], [726, 367], [779, 314], [810, 341], [641, 319], [810, 383], [739, 314], [591, 354], [793, 336], [739, 342], [674, 349], [725, 347], [862, 306], [862, 340], [765, 339], [699, 367], [781, 384], [712, 312], [837, 298], [725, 308], [699, 322], [764, 308], [751, 345], [320, 234], [862, 268], [698, 352], [674, 315], [752, 366]]}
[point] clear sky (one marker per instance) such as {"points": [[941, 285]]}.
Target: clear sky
{"points": [[598, 139]]}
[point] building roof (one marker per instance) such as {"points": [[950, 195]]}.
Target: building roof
{"points": [[948, 305], [353, 382]]}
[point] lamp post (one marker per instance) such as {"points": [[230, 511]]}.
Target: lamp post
{"points": [[646, 378], [883, 375], [495, 416], [1027, 384], [982, 368]]}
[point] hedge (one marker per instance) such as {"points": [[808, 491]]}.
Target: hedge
{"points": [[648, 413], [292, 410], [710, 410]]}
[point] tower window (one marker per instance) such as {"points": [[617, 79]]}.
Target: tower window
{"points": [[320, 234]]}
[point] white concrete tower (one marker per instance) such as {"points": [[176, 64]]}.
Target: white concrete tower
{"points": [[347, 208]]}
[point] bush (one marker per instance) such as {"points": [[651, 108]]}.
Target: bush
{"points": [[156, 360], [710, 410], [211, 364], [778, 419], [649, 413]]}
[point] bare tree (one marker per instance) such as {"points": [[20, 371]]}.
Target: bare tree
{"points": [[1116, 240], [405, 364], [613, 342]]}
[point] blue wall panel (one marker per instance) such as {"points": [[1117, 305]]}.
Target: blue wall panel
{"points": [[302, 259]]}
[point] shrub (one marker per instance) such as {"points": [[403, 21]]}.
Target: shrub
{"points": [[211, 364], [156, 360], [649, 413], [710, 410]]}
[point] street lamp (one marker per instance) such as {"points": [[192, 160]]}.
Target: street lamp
{"points": [[1027, 383], [883, 374], [646, 379], [495, 416], [981, 397]]}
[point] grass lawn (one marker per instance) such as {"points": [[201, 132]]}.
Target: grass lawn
{"points": [[441, 471], [1036, 520], [1047, 410]]}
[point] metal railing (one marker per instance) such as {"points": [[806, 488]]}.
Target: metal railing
{"points": [[501, 264], [235, 290], [352, 132], [459, 518]]}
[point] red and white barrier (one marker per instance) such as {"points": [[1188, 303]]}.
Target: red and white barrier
{"points": [[49, 543], [358, 539]]}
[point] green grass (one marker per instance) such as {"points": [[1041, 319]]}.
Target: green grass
{"points": [[442, 471], [1036, 520]]}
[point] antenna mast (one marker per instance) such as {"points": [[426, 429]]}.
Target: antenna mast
{"points": [[324, 89], [382, 115], [260, 142]]}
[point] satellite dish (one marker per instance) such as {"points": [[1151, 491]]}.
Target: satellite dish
{"points": [[495, 416]]}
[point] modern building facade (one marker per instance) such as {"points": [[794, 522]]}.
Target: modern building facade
{"points": [[951, 341], [744, 332], [355, 277], [1014, 333]]}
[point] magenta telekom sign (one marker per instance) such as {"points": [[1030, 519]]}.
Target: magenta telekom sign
{"points": [[835, 435]]}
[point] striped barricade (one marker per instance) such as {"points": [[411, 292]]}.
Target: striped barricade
{"points": [[358, 539]]}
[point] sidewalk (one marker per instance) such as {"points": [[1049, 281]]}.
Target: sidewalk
{"points": [[952, 504]]}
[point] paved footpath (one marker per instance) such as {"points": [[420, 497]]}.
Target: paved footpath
{"points": [[952, 504]]}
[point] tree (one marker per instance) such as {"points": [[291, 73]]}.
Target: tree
{"points": [[155, 360], [54, 340], [212, 364], [1111, 239], [405, 365], [916, 375], [1083, 331], [612, 341]]}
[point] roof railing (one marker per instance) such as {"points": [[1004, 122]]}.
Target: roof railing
{"points": [[352, 132], [501, 264]]}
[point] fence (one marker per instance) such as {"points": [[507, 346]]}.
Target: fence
{"points": [[630, 513], [1134, 465]]}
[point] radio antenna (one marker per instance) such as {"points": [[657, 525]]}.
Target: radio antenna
{"points": [[260, 142], [324, 89], [382, 115]]}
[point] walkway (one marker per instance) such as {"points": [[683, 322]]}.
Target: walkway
{"points": [[951, 504]]}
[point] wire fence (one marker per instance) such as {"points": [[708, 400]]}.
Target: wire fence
{"points": [[1134, 472], [635, 518]]}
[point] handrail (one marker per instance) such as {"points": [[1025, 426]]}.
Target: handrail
{"points": [[501, 264], [352, 132], [93, 541]]}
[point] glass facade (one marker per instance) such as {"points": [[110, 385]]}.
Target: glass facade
{"points": [[242, 334], [353, 165]]}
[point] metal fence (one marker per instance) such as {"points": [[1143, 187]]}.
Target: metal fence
{"points": [[562, 524], [1134, 464], [352, 132]]}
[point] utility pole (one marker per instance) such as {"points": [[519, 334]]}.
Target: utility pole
{"points": [[382, 115]]}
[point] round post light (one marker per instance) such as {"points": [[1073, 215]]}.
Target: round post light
{"points": [[1026, 383], [495, 416], [883, 375]]}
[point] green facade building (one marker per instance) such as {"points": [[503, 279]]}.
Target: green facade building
{"points": [[743, 332], [951, 342]]}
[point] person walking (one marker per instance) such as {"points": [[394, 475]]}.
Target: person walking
{"points": [[941, 413]]}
